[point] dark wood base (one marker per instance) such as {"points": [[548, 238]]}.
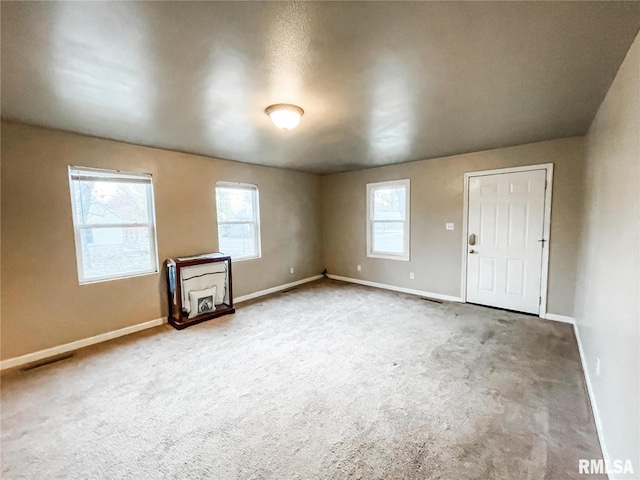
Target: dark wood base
{"points": [[184, 322]]}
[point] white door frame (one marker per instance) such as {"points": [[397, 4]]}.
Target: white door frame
{"points": [[544, 274]]}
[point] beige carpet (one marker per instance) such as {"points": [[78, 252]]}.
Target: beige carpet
{"points": [[328, 381]]}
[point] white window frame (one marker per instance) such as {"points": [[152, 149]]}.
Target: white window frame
{"points": [[255, 222], [371, 187], [117, 176]]}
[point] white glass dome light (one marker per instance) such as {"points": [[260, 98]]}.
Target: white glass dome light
{"points": [[284, 116]]}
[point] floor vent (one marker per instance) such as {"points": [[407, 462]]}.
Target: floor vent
{"points": [[505, 310], [47, 361], [431, 300]]}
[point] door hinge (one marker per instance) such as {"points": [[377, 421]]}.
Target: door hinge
{"points": [[539, 300]]}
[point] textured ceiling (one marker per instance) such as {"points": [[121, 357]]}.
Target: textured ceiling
{"points": [[380, 82]]}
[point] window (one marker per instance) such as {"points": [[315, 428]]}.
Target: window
{"points": [[388, 220], [238, 220], [114, 224]]}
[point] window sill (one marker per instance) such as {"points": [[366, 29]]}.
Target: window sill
{"points": [[389, 256], [119, 277], [243, 259]]}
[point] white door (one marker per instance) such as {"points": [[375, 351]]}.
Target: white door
{"points": [[504, 247]]}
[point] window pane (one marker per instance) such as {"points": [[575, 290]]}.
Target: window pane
{"points": [[388, 237], [234, 204], [389, 203], [238, 240], [111, 202], [115, 250]]}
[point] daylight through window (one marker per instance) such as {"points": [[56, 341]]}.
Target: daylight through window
{"points": [[238, 220], [114, 223], [388, 225]]}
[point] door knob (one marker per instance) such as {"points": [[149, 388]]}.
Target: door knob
{"points": [[472, 251]]}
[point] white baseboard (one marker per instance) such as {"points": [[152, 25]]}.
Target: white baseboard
{"points": [[592, 399], [420, 293], [559, 318], [69, 347], [279, 288]]}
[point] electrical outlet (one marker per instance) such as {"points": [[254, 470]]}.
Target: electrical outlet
{"points": [[359, 268], [597, 366], [412, 276], [449, 226], [291, 270]]}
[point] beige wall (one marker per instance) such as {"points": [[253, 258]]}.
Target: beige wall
{"points": [[608, 287], [43, 305], [437, 188]]}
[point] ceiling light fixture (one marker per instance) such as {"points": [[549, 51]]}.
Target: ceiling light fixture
{"points": [[284, 116]]}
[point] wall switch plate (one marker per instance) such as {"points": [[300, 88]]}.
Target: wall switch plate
{"points": [[412, 276], [359, 268], [597, 366], [291, 270], [449, 226]]}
